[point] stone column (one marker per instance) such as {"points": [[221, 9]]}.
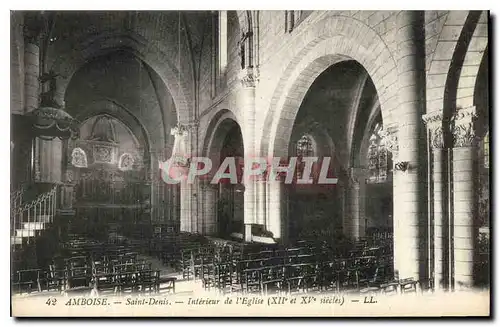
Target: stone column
{"points": [[17, 63], [246, 104], [261, 189], [355, 222], [208, 196], [464, 204], [276, 212], [31, 73], [434, 122], [410, 218], [181, 155]]}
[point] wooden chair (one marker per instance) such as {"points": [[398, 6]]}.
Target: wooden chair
{"points": [[223, 277], [105, 283], [408, 285], [54, 279], [294, 278], [252, 281], [273, 279], [166, 284], [78, 280], [26, 281], [147, 281]]}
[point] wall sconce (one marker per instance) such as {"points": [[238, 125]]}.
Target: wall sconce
{"points": [[402, 166]]}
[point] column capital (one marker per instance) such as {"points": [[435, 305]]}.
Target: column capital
{"points": [[183, 129], [249, 77], [434, 123], [462, 127]]}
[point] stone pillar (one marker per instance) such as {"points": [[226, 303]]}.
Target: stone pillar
{"points": [[246, 103], [181, 154], [208, 196], [464, 204], [410, 218], [277, 210], [261, 189], [17, 63], [31, 74], [441, 241], [355, 221]]}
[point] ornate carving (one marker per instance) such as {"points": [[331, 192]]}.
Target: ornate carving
{"points": [[434, 122], [79, 158], [462, 127], [179, 130], [126, 162], [103, 154], [390, 137], [249, 77]]}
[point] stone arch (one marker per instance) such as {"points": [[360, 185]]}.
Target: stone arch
{"points": [[152, 55], [121, 113], [445, 63], [455, 66], [476, 51], [220, 124], [332, 40]]}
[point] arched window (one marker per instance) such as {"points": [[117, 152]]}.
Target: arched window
{"points": [[79, 158], [126, 162], [378, 157], [305, 146]]}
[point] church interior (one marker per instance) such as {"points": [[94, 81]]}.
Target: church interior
{"points": [[398, 101]]}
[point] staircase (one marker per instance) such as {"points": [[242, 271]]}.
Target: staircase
{"points": [[30, 219]]}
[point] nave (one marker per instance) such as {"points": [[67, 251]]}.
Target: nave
{"points": [[186, 263]]}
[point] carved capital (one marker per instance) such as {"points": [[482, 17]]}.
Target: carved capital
{"points": [[249, 77], [462, 127], [182, 130], [434, 123]]}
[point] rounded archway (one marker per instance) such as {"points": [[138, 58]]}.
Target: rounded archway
{"points": [[226, 151], [340, 120]]}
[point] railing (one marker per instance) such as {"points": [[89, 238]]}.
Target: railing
{"points": [[33, 215], [16, 198]]}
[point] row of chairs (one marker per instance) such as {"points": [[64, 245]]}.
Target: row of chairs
{"points": [[88, 266]]}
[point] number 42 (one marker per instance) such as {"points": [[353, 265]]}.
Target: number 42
{"points": [[51, 301]]}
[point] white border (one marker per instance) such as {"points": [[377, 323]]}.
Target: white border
{"points": [[194, 5]]}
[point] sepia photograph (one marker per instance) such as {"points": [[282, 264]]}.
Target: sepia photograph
{"points": [[250, 163]]}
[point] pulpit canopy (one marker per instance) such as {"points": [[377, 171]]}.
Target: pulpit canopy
{"points": [[50, 122]]}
